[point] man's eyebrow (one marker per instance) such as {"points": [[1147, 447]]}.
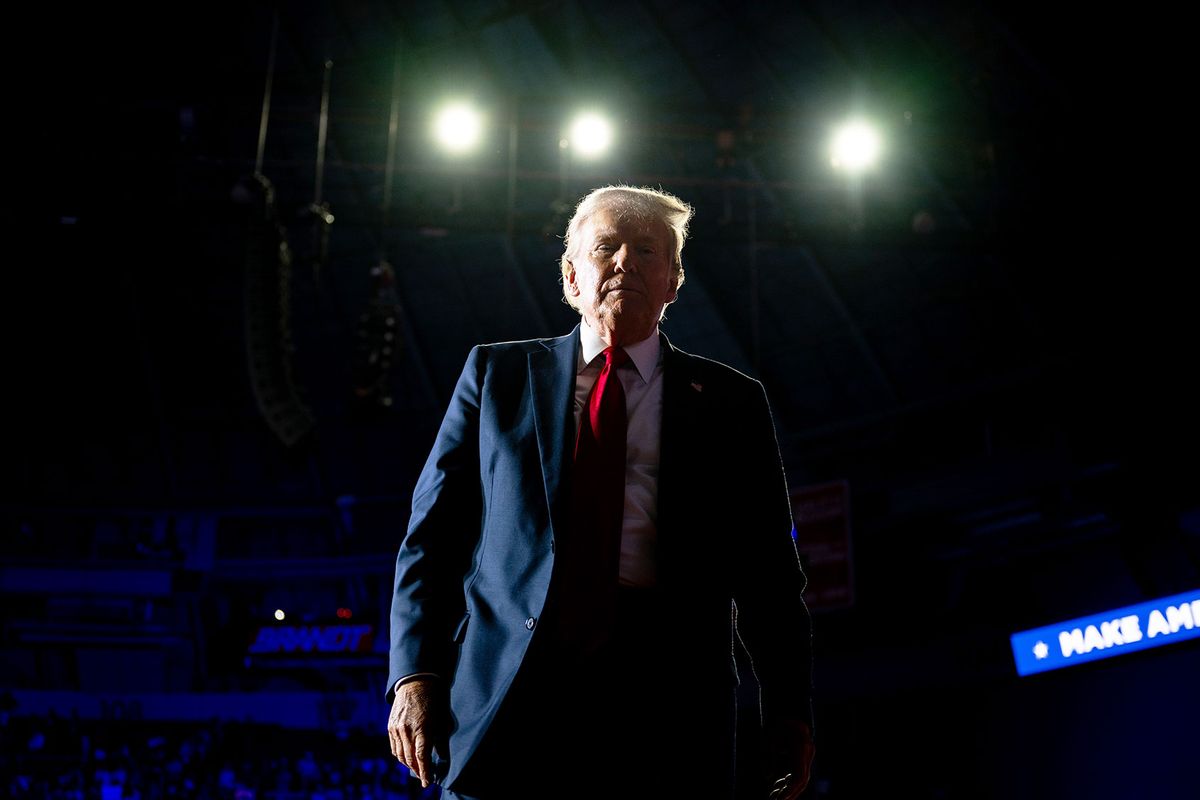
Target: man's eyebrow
{"points": [[641, 237]]}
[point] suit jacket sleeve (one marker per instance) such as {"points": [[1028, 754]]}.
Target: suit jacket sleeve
{"points": [[427, 600], [772, 620]]}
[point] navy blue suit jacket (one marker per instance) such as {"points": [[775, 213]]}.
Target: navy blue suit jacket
{"points": [[474, 570]]}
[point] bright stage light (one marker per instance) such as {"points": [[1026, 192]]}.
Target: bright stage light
{"points": [[279, 615], [458, 127], [591, 134], [855, 148]]}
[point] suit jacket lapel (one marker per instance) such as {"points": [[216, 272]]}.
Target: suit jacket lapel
{"points": [[681, 400], [681, 433], [552, 383]]}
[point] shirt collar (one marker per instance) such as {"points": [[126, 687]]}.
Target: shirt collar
{"points": [[643, 355]]}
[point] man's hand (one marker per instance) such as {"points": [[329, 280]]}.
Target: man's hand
{"points": [[411, 726], [790, 753]]}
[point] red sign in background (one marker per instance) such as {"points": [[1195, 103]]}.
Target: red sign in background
{"points": [[821, 514]]}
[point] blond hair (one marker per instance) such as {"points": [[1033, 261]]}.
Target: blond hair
{"points": [[629, 203]]}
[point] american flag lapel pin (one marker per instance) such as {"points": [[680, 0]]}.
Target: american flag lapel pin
{"points": [[697, 386]]}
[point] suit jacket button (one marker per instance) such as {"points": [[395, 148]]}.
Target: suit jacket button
{"points": [[529, 623]]}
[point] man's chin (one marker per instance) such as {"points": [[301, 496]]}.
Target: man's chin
{"points": [[626, 304], [632, 321]]}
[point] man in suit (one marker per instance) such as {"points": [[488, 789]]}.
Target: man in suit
{"points": [[602, 519]]}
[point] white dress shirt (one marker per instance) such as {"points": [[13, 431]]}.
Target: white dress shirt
{"points": [[641, 377]]}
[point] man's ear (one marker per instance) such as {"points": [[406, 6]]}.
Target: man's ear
{"points": [[572, 286]]}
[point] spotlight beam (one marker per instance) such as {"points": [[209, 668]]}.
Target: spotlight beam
{"points": [[590, 135], [855, 147], [458, 127]]}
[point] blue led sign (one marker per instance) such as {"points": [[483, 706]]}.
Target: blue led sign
{"points": [[1111, 633]]}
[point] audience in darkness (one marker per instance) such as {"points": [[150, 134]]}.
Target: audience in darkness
{"points": [[68, 758]]}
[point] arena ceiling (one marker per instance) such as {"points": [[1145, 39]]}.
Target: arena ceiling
{"points": [[952, 307]]}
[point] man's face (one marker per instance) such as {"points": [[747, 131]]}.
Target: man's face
{"points": [[621, 274]]}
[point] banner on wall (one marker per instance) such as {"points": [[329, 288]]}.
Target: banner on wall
{"points": [[1155, 623]]}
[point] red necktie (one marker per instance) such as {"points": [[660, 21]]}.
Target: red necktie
{"points": [[593, 549]]}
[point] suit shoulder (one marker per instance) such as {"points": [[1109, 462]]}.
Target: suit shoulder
{"points": [[516, 346], [518, 349], [717, 372]]}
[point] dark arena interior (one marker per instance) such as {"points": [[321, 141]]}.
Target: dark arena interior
{"points": [[255, 243]]}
